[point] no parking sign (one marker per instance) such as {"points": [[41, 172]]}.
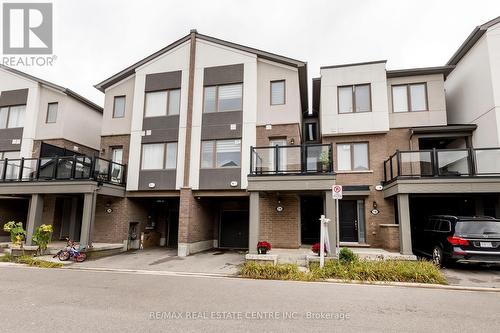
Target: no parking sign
{"points": [[337, 192]]}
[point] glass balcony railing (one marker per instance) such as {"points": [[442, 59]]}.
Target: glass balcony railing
{"points": [[443, 163], [295, 159], [62, 168]]}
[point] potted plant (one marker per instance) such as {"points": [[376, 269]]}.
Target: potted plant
{"points": [[42, 237], [324, 158], [263, 247], [315, 248]]}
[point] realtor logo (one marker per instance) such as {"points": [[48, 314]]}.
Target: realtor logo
{"points": [[27, 28]]}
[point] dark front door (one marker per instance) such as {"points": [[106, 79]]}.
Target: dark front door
{"points": [[311, 209], [348, 216], [234, 229]]}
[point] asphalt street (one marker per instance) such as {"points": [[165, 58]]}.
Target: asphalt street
{"points": [[62, 300]]}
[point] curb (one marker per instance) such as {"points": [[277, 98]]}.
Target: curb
{"points": [[150, 272]]}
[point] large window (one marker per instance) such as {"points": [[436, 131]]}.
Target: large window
{"points": [[409, 97], [52, 113], [158, 156], [12, 116], [278, 92], [162, 103], [355, 98], [352, 156], [221, 154], [119, 107], [223, 98]]}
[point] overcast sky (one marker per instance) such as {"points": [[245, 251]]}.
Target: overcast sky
{"points": [[94, 39]]}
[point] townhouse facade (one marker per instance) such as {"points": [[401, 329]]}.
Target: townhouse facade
{"points": [[211, 144]]}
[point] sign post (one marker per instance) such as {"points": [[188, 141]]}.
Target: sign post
{"points": [[337, 195], [324, 242]]}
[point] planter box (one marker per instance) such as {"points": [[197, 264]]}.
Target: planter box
{"points": [[17, 251], [262, 258]]}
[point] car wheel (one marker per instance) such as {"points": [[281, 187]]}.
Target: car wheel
{"points": [[437, 256]]}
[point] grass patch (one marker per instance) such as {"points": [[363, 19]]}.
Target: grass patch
{"points": [[361, 270], [30, 261]]}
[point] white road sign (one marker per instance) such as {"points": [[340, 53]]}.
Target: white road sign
{"points": [[337, 192]]}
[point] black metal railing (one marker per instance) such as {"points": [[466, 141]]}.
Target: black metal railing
{"points": [[294, 159], [78, 167], [466, 162]]}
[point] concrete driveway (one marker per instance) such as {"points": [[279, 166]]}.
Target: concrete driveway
{"points": [[161, 259], [473, 275]]}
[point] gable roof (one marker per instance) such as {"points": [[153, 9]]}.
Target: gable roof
{"points": [[471, 40], [300, 65], [59, 88]]}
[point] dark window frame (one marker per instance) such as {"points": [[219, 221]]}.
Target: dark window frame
{"points": [[47, 114], [353, 97], [124, 105], [167, 110], [271, 92], [408, 96], [216, 86], [164, 163], [8, 115], [214, 155], [352, 154]]}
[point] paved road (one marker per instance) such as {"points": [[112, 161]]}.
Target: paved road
{"points": [[53, 300], [473, 275]]}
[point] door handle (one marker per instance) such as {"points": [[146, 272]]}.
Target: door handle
{"points": [[355, 224]]}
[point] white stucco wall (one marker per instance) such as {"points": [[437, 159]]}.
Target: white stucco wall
{"points": [[436, 103], [333, 123], [288, 113], [210, 55], [118, 126], [81, 123], [174, 60], [470, 91]]}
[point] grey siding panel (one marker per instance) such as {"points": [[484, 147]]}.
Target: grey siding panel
{"points": [[163, 129], [6, 137], [14, 97], [163, 81], [223, 75], [218, 125], [219, 179], [164, 179]]}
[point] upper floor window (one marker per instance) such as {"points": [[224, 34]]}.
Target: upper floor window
{"points": [[311, 131], [163, 103], [278, 92], [12, 116], [352, 156], [228, 97], [409, 97], [355, 98], [51, 113], [119, 107], [221, 153], [159, 156]]}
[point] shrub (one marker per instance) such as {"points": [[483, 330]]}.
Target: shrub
{"points": [[17, 232], [30, 261], [347, 255], [42, 236], [255, 270]]}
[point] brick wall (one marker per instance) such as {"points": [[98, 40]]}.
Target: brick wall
{"points": [[281, 229], [113, 227], [63, 143], [380, 146], [196, 218], [108, 142], [389, 238], [288, 131]]}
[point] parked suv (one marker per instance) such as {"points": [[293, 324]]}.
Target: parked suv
{"points": [[448, 238]]}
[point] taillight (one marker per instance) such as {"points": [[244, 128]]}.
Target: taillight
{"points": [[453, 240]]}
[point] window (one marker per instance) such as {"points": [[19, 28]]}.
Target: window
{"points": [[51, 113], [221, 154], [352, 156], [277, 92], [119, 107], [311, 131], [12, 116], [117, 155], [356, 98], [13, 167], [162, 103], [409, 97], [158, 156], [223, 98]]}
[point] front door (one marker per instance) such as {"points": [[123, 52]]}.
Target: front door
{"points": [[233, 232], [348, 220]]}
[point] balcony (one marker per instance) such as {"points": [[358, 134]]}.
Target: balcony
{"points": [[62, 168], [291, 160], [444, 163]]}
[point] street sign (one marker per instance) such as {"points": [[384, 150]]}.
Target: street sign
{"points": [[337, 192]]}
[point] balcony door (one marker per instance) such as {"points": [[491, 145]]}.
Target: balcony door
{"points": [[281, 154]]}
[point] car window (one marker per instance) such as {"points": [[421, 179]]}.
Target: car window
{"points": [[478, 228], [430, 224], [444, 226]]}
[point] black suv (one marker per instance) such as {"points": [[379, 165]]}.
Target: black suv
{"points": [[448, 238]]}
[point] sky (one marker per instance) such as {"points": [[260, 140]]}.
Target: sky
{"points": [[94, 39]]}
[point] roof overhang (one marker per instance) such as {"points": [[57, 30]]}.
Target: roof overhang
{"points": [[444, 131], [445, 70]]}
